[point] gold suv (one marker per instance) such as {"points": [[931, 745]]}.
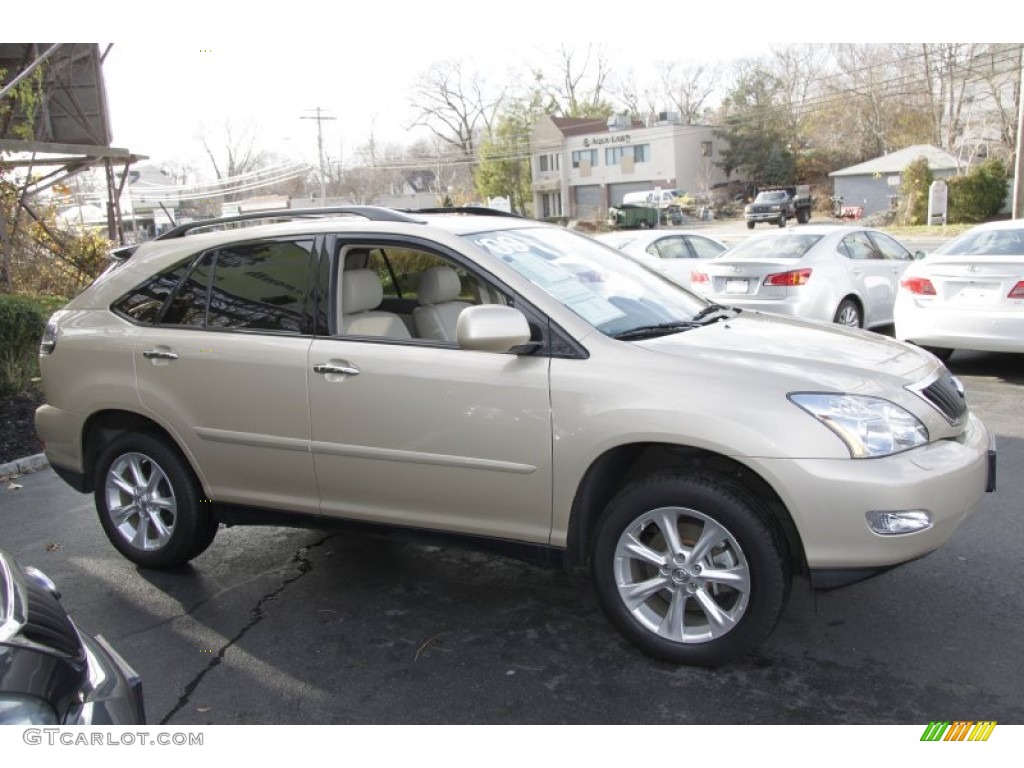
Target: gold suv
{"points": [[510, 385]]}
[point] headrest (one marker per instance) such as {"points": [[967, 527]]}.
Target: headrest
{"points": [[438, 285], [360, 291]]}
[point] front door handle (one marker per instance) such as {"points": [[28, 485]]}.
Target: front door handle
{"points": [[160, 353], [340, 368]]}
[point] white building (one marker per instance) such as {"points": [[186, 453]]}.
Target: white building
{"points": [[581, 167]]}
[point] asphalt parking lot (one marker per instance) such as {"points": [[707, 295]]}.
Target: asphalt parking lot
{"points": [[301, 627]]}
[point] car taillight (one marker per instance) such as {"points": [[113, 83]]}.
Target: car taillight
{"points": [[921, 286], [698, 277], [1017, 292], [49, 340], [793, 277]]}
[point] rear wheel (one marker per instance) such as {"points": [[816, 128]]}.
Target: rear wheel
{"points": [[782, 221], [750, 225], [803, 215], [149, 502], [848, 314], [687, 569]]}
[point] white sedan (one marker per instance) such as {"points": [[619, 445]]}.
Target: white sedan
{"points": [[835, 273], [669, 252], [968, 294]]}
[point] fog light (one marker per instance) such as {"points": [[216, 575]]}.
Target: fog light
{"points": [[897, 523]]}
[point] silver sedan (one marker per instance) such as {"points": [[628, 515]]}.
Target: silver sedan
{"points": [[667, 251], [835, 273]]}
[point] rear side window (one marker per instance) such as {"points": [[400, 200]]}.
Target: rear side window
{"points": [[144, 304], [255, 286]]}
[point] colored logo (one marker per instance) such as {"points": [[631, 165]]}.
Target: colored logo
{"points": [[958, 730]]}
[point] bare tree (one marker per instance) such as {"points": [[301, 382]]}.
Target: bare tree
{"points": [[232, 150], [947, 69], [580, 88], [689, 88], [455, 104]]}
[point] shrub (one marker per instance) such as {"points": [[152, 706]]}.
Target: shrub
{"points": [[915, 181], [22, 321], [979, 195]]}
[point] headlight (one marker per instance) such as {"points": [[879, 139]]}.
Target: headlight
{"points": [[870, 426], [23, 710]]}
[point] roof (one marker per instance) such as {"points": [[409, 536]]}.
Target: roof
{"points": [[574, 126], [895, 162]]}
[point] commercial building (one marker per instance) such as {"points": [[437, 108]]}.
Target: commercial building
{"points": [[581, 167]]}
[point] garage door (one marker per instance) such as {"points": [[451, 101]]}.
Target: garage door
{"points": [[617, 191], [589, 202]]}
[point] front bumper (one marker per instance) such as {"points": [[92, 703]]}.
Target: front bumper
{"points": [[829, 499], [113, 693]]}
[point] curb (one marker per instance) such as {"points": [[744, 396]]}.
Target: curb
{"points": [[25, 465]]}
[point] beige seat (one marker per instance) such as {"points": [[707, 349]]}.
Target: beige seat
{"points": [[361, 294], [438, 313]]}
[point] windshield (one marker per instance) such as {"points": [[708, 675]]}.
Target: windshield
{"points": [[986, 242], [784, 246], [770, 197], [607, 289]]}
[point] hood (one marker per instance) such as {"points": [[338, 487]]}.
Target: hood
{"points": [[802, 354]]}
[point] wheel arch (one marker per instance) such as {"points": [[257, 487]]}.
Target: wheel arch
{"points": [[623, 464], [103, 426]]}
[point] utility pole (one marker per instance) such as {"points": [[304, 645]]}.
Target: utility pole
{"points": [[1018, 182], [320, 117]]}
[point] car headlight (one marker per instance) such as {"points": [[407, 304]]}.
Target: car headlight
{"points": [[870, 426], [23, 710]]}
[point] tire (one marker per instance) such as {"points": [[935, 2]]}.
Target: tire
{"points": [[148, 502], [750, 225], [782, 221], [644, 225], [848, 314], [671, 618], [803, 215]]}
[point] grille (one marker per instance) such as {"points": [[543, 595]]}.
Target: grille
{"points": [[48, 624], [947, 395]]}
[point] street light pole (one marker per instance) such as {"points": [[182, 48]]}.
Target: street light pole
{"points": [[320, 117]]}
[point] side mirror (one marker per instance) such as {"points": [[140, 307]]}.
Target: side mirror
{"points": [[492, 328], [918, 255]]}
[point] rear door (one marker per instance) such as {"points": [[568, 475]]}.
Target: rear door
{"points": [[224, 369], [873, 277]]}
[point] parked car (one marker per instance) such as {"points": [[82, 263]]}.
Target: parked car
{"points": [[50, 672], [968, 294], [493, 381], [670, 252], [833, 273]]}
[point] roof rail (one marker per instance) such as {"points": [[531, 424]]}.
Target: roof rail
{"points": [[477, 210], [370, 212]]}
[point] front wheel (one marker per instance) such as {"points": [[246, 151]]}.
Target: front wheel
{"points": [[149, 502], [750, 225], [687, 569]]}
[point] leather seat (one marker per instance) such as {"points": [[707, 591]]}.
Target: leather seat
{"points": [[361, 294], [438, 314]]}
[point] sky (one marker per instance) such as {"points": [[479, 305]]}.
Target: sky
{"points": [[189, 69]]}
